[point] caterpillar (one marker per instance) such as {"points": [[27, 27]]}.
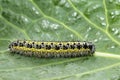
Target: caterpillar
{"points": [[52, 49]]}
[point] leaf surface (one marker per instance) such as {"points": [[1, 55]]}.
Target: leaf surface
{"points": [[61, 20]]}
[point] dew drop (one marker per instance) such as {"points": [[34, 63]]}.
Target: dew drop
{"points": [[71, 35], [95, 7], [117, 12], [54, 26], [24, 19], [72, 19], [112, 47], [74, 14], [33, 8], [103, 24], [102, 18], [45, 23], [67, 5], [115, 30], [96, 40], [112, 13], [113, 17], [37, 12], [89, 29]]}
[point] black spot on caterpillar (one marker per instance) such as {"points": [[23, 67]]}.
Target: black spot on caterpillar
{"points": [[52, 49]]}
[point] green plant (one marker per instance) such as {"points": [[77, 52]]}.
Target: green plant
{"points": [[61, 20]]}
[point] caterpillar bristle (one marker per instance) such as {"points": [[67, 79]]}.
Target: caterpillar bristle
{"points": [[52, 49]]}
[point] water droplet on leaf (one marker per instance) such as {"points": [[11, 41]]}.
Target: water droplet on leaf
{"points": [[102, 18], [115, 30], [96, 40], [54, 26], [67, 5], [71, 35], [45, 23], [103, 24], [33, 8], [74, 14], [89, 29], [112, 46]]}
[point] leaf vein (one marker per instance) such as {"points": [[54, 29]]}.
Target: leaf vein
{"points": [[106, 14], [15, 27], [87, 72], [53, 19], [117, 42]]}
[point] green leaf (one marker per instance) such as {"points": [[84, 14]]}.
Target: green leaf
{"points": [[61, 20]]}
